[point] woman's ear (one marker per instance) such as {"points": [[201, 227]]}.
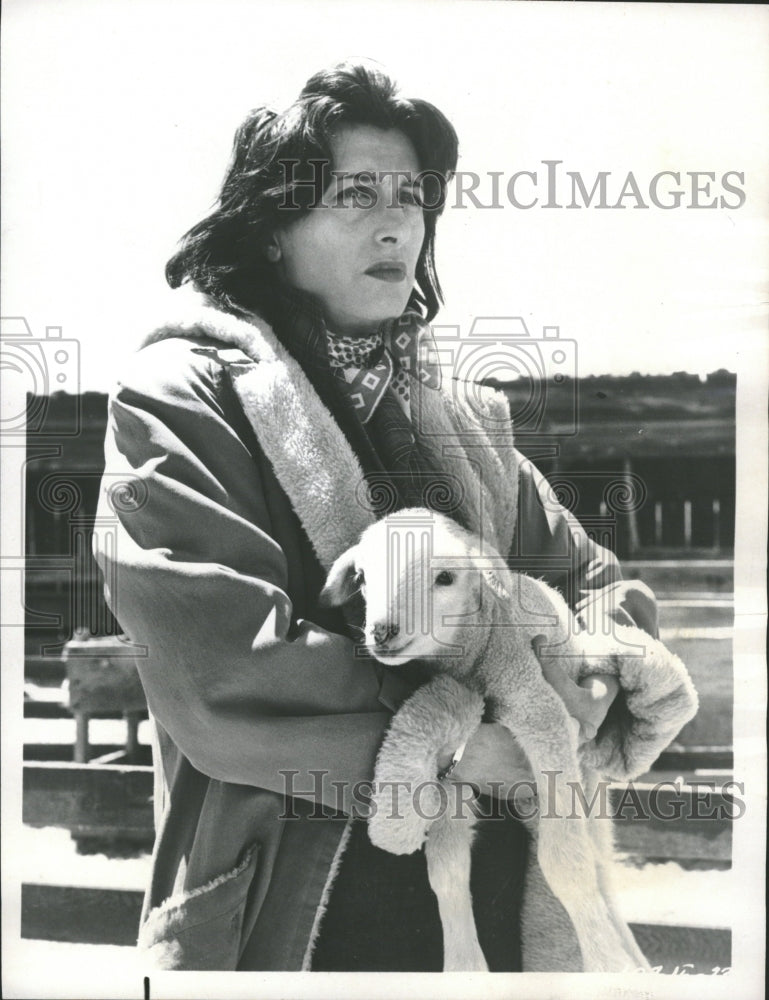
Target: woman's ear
{"points": [[272, 251], [341, 582]]}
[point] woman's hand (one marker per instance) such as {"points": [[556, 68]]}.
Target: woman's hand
{"points": [[493, 762], [587, 702], [601, 690], [627, 602]]}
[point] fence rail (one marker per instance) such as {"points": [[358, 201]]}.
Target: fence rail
{"points": [[85, 915], [116, 801], [693, 824], [110, 798]]}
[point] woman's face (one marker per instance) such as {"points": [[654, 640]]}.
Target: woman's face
{"points": [[357, 252]]}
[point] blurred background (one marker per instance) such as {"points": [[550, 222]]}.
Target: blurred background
{"points": [[118, 121]]}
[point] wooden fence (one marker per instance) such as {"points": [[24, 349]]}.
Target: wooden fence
{"points": [[115, 801], [109, 799]]}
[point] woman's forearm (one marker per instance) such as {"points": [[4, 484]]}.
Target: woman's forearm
{"points": [[493, 761]]}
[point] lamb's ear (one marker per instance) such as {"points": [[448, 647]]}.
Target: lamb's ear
{"points": [[340, 583], [495, 583]]}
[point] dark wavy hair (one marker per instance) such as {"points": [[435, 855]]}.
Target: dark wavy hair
{"points": [[275, 162]]}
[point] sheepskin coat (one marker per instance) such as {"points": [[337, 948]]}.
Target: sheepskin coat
{"points": [[235, 492]]}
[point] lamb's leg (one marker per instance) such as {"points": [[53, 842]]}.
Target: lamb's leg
{"points": [[602, 943], [448, 866], [601, 834], [568, 857], [565, 849]]}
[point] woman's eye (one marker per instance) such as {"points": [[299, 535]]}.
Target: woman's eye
{"points": [[407, 196], [444, 578], [356, 197], [429, 193], [360, 578]]}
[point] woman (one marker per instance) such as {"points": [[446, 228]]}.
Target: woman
{"points": [[259, 433]]}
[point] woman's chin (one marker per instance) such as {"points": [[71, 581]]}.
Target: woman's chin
{"points": [[368, 321]]}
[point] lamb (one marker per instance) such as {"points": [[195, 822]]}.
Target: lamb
{"points": [[437, 593]]}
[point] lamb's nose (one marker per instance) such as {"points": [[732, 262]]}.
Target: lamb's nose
{"points": [[383, 632]]}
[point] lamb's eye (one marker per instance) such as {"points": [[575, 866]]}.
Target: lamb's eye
{"points": [[444, 578]]}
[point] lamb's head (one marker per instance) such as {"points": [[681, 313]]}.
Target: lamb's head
{"points": [[420, 574]]}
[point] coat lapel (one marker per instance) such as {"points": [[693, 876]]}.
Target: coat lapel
{"points": [[467, 430], [473, 443], [294, 429]]}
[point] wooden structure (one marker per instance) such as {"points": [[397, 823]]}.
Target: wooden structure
{"points": [[102, 679], [113, 800], [102, 803], [651, 472], [646, 462], [649, 457]]}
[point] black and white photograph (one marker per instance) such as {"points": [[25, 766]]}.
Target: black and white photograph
{"points": [[384, 499]]}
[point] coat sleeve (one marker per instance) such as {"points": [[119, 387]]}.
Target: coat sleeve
{"points": [[554, 546], [656, 696], [195, 576]]}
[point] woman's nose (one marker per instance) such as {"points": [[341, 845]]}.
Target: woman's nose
{"points": [[394, 231], [392, 221]]}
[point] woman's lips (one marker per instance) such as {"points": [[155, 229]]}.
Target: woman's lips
{"points": [[387, 271]]}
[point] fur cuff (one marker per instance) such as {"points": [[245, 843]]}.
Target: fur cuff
{"points": [[656, 701]]}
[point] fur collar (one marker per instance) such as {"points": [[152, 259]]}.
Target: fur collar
{"points": [[315, 464], [295, 430]]}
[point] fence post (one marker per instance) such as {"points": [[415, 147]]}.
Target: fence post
{"points": [[81, 738]]}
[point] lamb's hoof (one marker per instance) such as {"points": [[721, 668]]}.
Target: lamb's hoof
{"points": [[471, 961]]}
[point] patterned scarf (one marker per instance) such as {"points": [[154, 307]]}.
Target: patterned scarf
{"points": [[401, 349]]}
